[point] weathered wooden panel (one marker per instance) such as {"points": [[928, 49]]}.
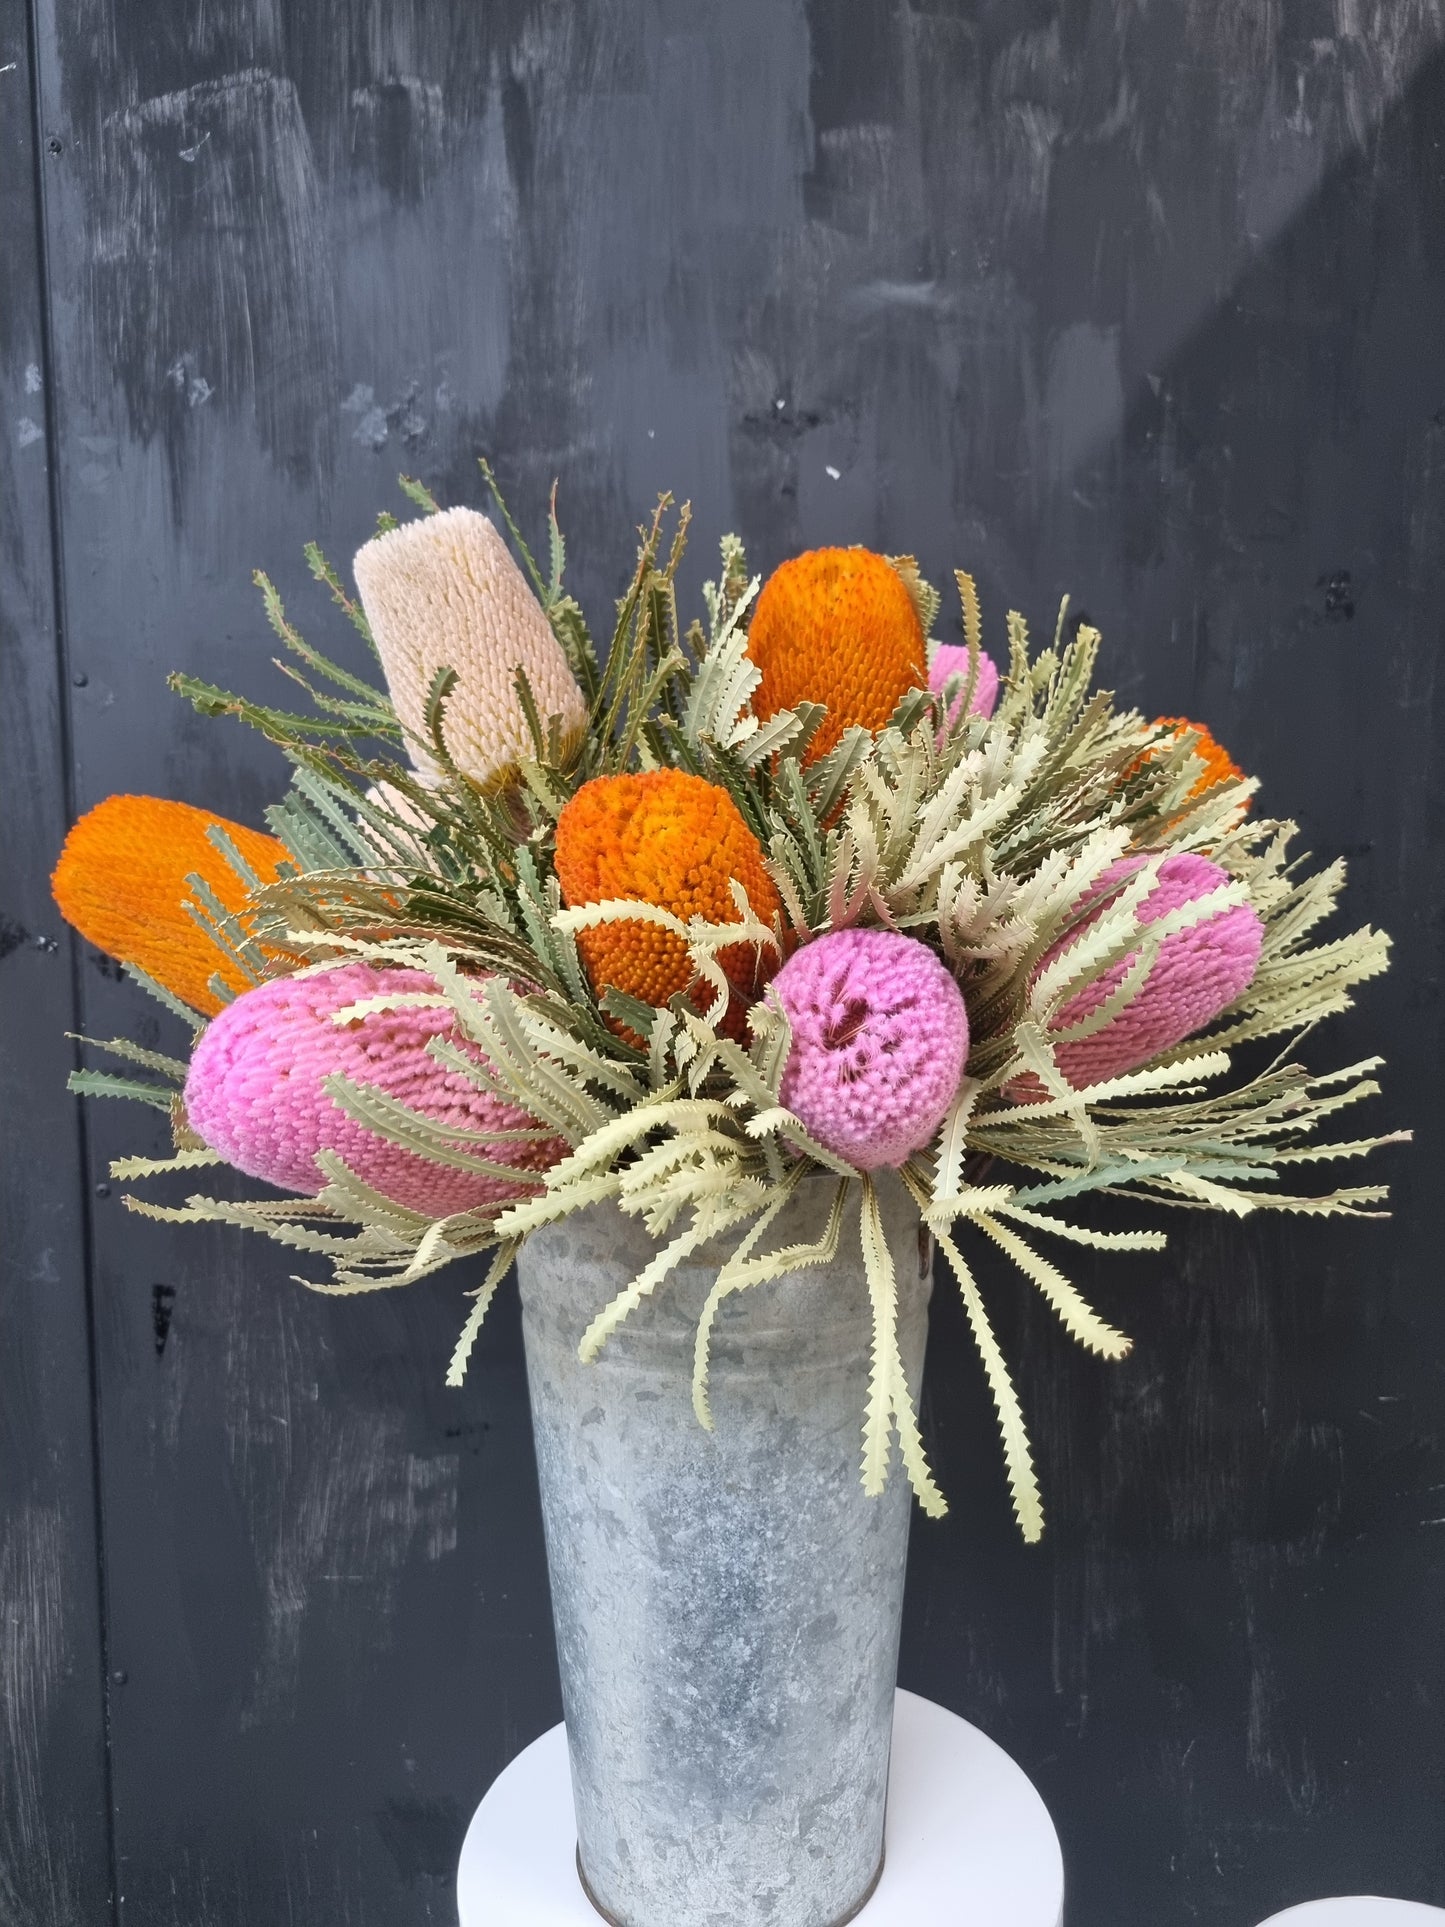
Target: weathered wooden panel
{"points": [[54, 1851], [1147, 303]]}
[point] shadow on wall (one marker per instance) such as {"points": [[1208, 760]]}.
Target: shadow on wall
{"points": [[1288, 466], [1245, 1557]]}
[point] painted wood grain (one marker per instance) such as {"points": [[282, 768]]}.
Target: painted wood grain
{"points": [[1143, 302], [54, 1835]]}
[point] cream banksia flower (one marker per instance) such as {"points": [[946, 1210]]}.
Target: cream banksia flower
{"points": [[880, 1037], [444, 592]]}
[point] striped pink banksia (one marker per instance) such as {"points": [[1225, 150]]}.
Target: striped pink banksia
{"points": [[256, 1094], [1199, 972]]}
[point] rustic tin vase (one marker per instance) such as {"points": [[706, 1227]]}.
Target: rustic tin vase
{"points": [[727, 1603]]}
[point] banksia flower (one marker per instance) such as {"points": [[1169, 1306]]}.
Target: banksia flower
{"points": [[880, 1038], [445, 592], [1198, 973], [1216, 760], [951, 659], [255, 1093], [1219, 765], [121, 882], [671, 839], [836, 626]]}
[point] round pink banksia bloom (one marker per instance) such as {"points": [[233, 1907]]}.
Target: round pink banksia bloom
{"points": [[951, 659], [254, 1092], [880, 1036], [1198, 973]]}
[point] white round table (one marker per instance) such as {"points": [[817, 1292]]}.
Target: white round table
{"points": [[1360, 1910], [969, 1841]]}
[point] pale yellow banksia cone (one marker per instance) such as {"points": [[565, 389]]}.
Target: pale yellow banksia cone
{"points": [[445, 592]]}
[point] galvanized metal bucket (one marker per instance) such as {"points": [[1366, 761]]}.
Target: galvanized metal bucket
{"points": [[727, 1603]]}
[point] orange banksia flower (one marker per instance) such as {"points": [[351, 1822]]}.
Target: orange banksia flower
{"points": [[121, 882], [1219, 765], [671, 839], [836, 626]]}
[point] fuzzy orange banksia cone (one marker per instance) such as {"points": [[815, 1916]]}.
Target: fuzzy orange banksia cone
{"points": [[121, 882], [836, 626], [671, 839], [1219, 765], [444, 592]]}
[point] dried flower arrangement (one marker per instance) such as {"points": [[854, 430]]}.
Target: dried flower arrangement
{"points": [[794, 893]]}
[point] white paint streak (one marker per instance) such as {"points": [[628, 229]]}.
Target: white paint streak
{"points": [[33, 1874], [357, 1510], [235, 253]]}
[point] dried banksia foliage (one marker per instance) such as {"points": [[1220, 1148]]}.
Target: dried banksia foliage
{"points": [[124, 878], [1219, 765], [444, 593], [677, 842], [836, 626], [879, 1040], [297, 1067]]}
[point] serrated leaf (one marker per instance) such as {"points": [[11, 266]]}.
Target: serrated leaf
{"points": [[1076, 1315], [481, 1304]]}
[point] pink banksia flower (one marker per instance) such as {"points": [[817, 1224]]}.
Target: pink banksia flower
{"points": [[255, 1093], [880, 1036], [444, 592], [951, 659], [1198, 973]]}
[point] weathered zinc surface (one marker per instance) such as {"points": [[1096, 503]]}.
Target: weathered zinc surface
{"points": [[727, 1602], [1146, 301]]}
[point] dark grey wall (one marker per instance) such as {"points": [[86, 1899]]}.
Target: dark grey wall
{"points": [[1145, 301]]}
